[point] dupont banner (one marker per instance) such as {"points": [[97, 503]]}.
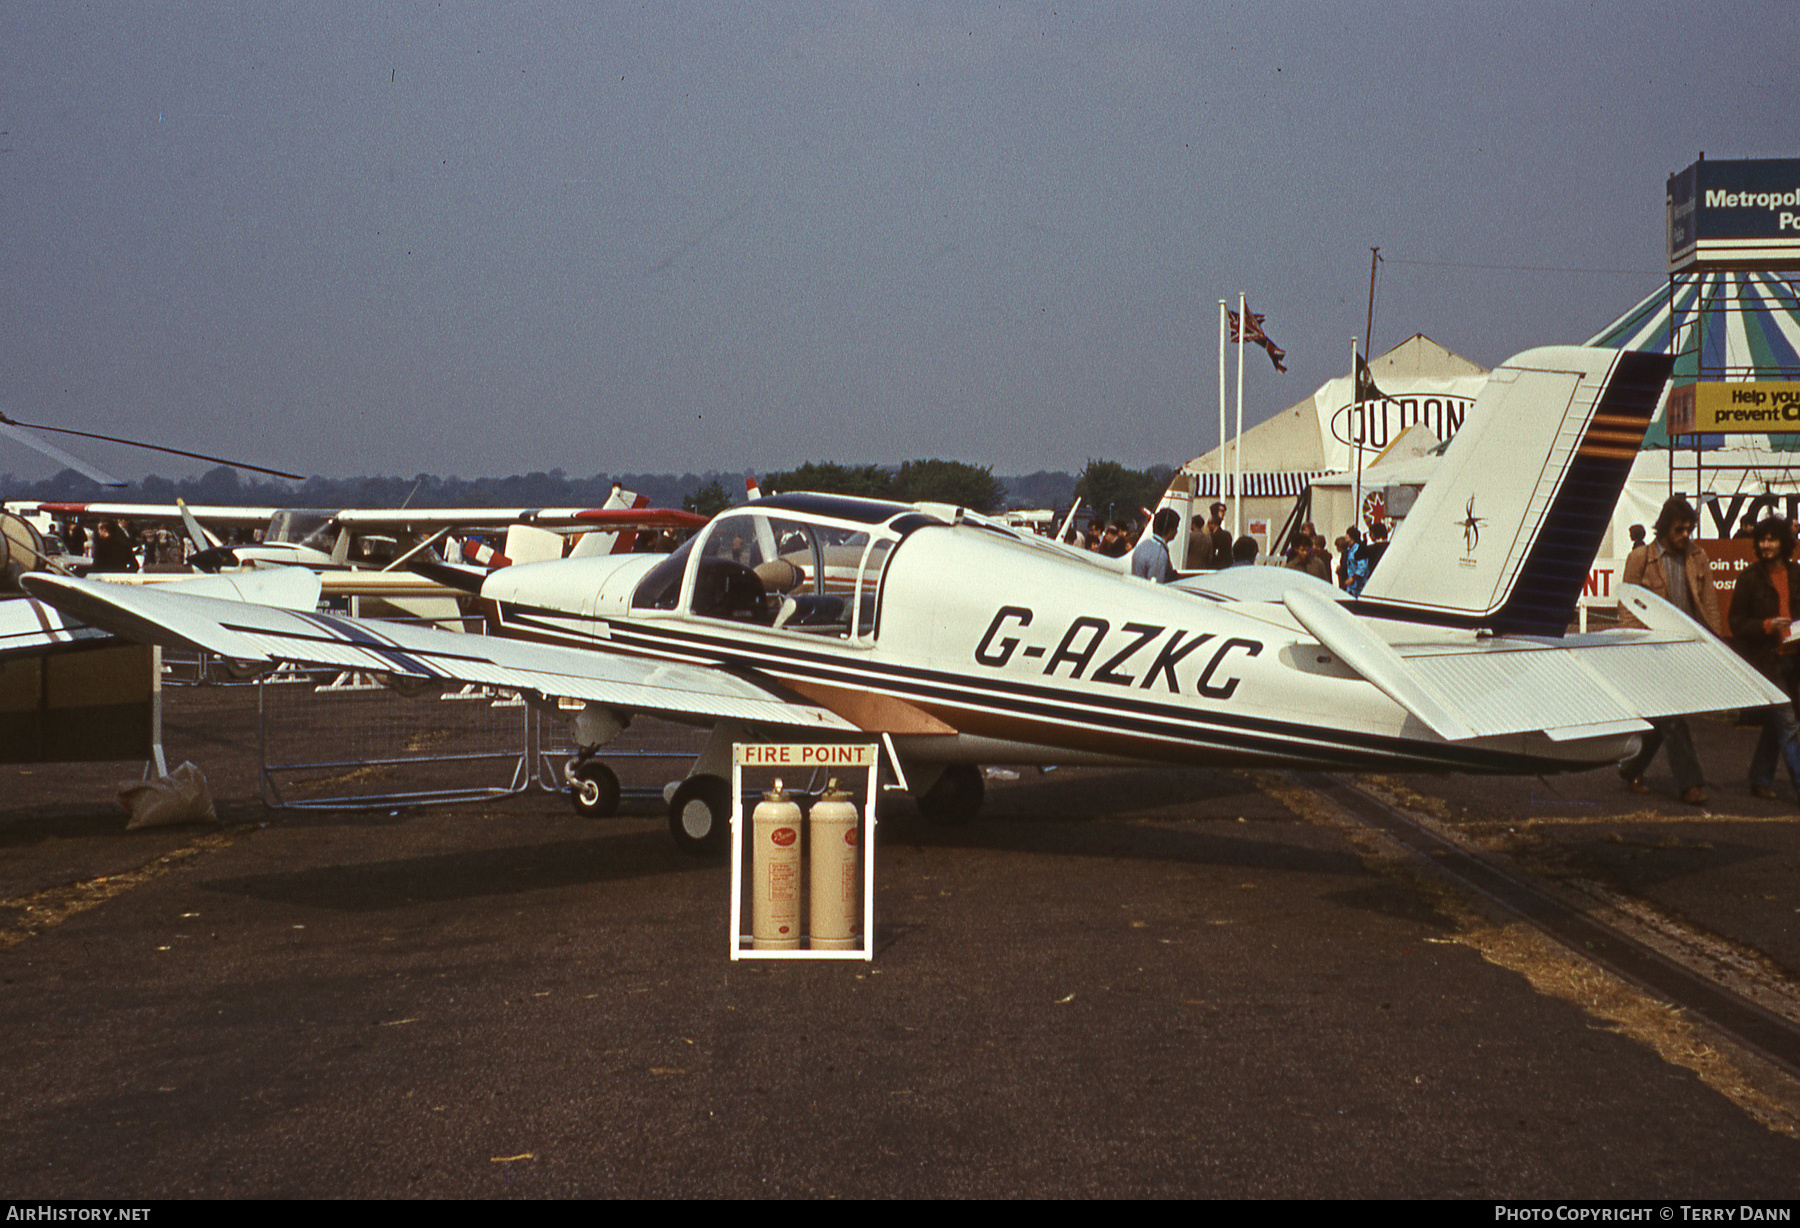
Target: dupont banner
{"points": [[1741, 214], [1438, 403]]}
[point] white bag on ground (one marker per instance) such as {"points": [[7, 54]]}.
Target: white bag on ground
{"points": [[162, 801]]}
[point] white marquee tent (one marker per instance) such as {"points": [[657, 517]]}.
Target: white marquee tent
{"points": [[1731, 326], [1427, 387]]}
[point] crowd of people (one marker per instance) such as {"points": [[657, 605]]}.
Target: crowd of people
{"points": [[1309, 552], [1210, 546], [1758, 617], [114, 546]]}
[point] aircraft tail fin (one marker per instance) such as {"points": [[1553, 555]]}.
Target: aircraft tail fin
{"points": [[626, 541], [1067, 532], [1503, 535]]}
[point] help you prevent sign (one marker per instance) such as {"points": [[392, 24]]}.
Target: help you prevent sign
{"points": [[1764, 407]]}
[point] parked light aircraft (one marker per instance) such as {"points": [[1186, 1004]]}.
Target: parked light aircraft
{"points": [[373, 537], [957, 642]]}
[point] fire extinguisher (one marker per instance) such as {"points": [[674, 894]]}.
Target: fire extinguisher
{"points": [[833, 880], [775, 873]]}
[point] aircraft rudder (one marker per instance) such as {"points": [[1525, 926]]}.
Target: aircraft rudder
{"points": [[1507, 529], [1544, 598]]}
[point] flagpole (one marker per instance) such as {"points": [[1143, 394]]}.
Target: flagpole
{"points": [[1369, 329], [1237, 486], [1356, 437], [1222, 311]]}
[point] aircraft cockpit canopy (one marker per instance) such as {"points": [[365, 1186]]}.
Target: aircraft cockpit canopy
{"points": [[303, 526], [803, 563]]}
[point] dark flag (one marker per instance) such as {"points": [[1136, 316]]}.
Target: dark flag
{"points": [[1365, 383], [1255, 336]]}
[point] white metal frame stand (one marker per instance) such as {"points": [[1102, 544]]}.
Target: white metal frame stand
{"points": [[784, 757], [158, 761]]}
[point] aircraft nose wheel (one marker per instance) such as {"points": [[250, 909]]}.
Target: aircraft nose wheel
{"points": [[700, 816], [594, 790], [956, 796]]}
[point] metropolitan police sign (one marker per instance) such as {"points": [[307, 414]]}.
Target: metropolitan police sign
{"points": [[1741, 214], [1768, 407]]}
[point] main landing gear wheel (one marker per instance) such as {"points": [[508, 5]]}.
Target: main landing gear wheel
{"points": [[956, 796], [595, 790], [700, 816]]}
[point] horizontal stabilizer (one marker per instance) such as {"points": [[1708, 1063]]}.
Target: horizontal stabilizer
{"points": [[1586, 686], [1580, 687], [1369, 655]]}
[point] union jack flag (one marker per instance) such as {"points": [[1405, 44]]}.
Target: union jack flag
{"points": [[1255, 336], [1365, 383]]}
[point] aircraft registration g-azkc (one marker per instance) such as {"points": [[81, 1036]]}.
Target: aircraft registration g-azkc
{"points": [[958, 642]]}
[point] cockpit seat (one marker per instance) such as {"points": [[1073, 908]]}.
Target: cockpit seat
{"points": [[814, 611], [727, 589]]}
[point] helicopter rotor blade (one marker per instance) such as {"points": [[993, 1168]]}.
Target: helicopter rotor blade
{"points": [[16, 431], [90, 471]]}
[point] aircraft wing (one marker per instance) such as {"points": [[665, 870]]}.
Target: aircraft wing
{"points": [[260, 634], [29, 627], [638, 518], [243, 517], [385, 584], [613, 515]]}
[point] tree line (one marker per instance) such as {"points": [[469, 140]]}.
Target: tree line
{"points": [[1108, 487]]}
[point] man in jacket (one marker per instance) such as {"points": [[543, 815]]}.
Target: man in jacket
{"points": [[1675, 568], [1150, 561], [1762, 619], [1308, 558], [1199, 545], [112, 548], [1362, 566], [1221, 536]]}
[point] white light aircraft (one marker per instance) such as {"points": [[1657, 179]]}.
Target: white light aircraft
{"points": [[957, 642], [372, 537]]}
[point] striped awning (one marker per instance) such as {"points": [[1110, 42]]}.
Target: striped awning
{"points": [[1268, 485]]}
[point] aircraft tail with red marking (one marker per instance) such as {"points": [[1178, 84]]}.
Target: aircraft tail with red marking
{"points": [[1504, 533], [609, 542]]}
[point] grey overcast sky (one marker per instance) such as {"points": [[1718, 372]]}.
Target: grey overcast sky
{"points": [[481, 239]]}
